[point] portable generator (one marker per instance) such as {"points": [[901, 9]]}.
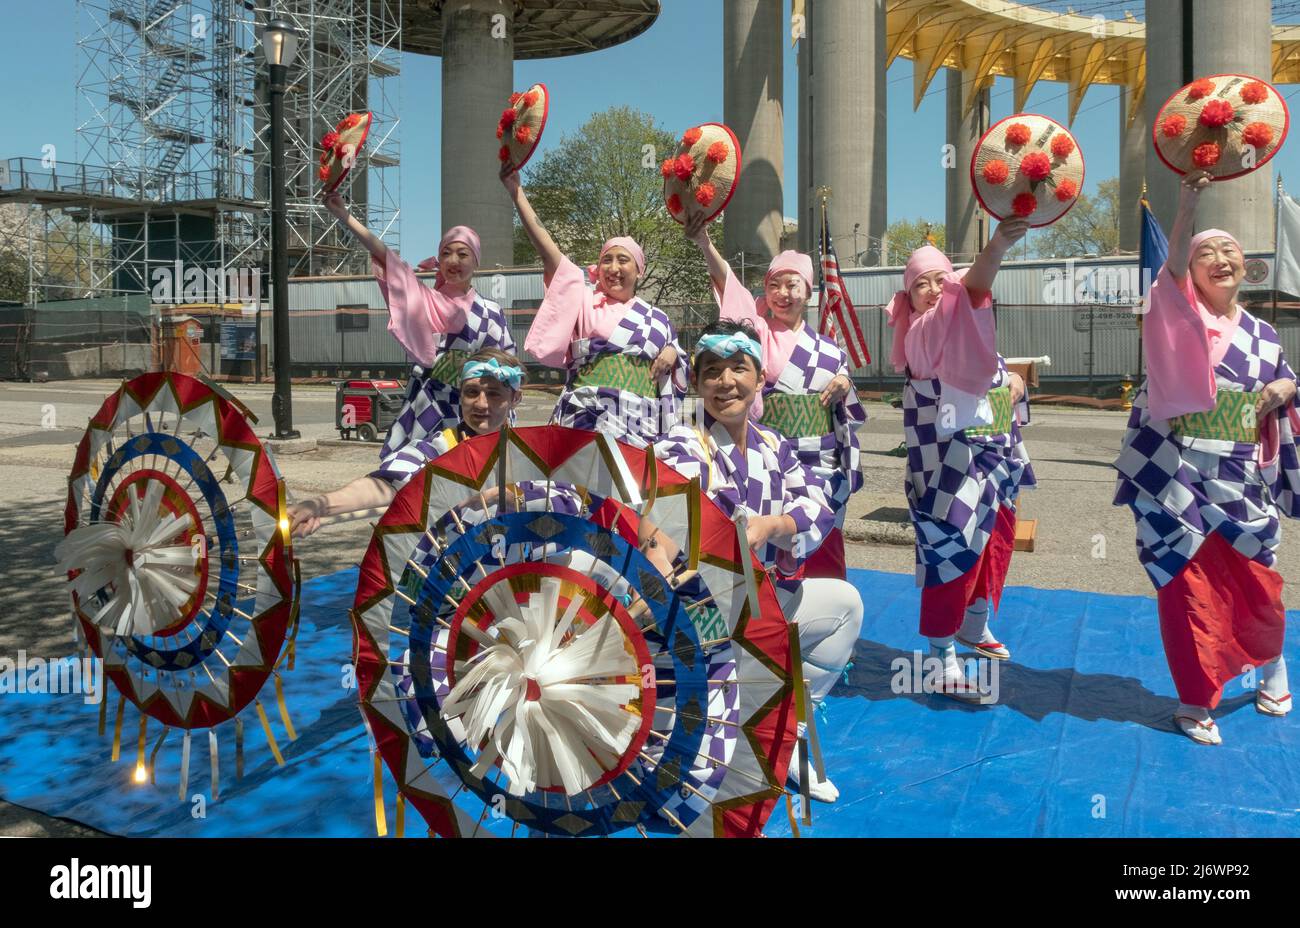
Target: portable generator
{"points": [[365, 409]]}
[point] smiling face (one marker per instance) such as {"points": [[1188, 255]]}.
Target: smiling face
{"points": [[617, 274], [727, 385], [787, 295], [1218, 267], [485, 404], [457, 264], [926, 290]]}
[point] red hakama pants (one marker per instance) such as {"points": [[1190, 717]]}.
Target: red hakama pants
{"points": [[943, 607], [1220, 616]]}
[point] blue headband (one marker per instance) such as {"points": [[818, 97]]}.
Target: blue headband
{"points": [[724, 346], [493, 368]]}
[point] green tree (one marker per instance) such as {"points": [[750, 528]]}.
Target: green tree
{"points": [[13, 278], [907, 235], [604, 181], [1091, 227]]}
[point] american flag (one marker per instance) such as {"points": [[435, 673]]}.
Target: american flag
{"points": [[837, 312]]}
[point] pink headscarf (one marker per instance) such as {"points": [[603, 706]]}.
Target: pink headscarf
{"points": [[618, 241], [925, 259], [1201, 237], [794, 261], [463, 234]]}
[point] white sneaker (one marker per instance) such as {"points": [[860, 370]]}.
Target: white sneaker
{"points": [[1196, 723], [818, 789]]}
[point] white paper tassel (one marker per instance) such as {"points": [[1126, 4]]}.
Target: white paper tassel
{"points": [[185, 765], [577, 725]]}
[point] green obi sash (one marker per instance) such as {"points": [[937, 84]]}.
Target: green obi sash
{"points": [[448, 366], [1000, 400], [617, 372], [797, 415], [1232, 419]]}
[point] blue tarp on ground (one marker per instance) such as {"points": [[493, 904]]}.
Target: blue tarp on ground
{"points": [[1080, 742]]}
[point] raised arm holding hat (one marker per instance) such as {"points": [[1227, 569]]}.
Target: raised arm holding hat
{"points": [[439, 326], [966, 462], [1208, 466], [624, 371], [808, 394]]}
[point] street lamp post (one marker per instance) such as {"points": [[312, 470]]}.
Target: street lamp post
{"points": [[280, 45]]}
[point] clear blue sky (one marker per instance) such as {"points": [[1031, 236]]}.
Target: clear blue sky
{"points": [[673, 71]]}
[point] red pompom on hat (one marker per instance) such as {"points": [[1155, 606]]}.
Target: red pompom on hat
{"points": [[1036, 165], [1208, 125], [1018, 134], [996, 171], [521, 125], [1174, 125], [701, 177], [342, 148], [1258, 134], [1216, 113], [1021, 154], [1024, 204], [1254, 92], [1206, 155]]}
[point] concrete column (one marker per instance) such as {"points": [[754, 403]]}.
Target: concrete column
{"points": [[1237, 38], [1134, 140], [847, 132], [806, 215], [962, 210], [1226, 37], [477, 74], [753, 33]]}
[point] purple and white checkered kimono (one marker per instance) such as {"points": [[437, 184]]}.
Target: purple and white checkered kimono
{"points": [[643, 332], [767, 479], [815, 361], [432, 405], [1181, 489], [955, 485]]}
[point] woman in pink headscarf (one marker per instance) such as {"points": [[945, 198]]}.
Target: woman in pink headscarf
{"points": [[626, 375], [1208, 466], [799, 362], [966, 463], [440, 327]]}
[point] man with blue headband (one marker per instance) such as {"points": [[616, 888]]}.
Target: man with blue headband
{"points": [[490, 386], [748, 468]]}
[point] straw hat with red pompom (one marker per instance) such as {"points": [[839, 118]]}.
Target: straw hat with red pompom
{"points": [[1027, 166], [1226, 125], [520, 127], [340, 148], [702, 175]]}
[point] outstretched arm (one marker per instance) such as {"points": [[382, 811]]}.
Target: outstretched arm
{"points": [[363, 493], [339, 210], [1180, 236], [697, 230], [533, 228], [979, 279]]}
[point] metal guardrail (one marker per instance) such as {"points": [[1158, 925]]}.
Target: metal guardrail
{"points": [[141, 184]]}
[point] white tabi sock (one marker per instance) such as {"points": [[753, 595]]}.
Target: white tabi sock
{"points": [[1272, 678], [975, 627]]}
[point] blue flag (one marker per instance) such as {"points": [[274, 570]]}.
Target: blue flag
{"points": [[1155, 248]]}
